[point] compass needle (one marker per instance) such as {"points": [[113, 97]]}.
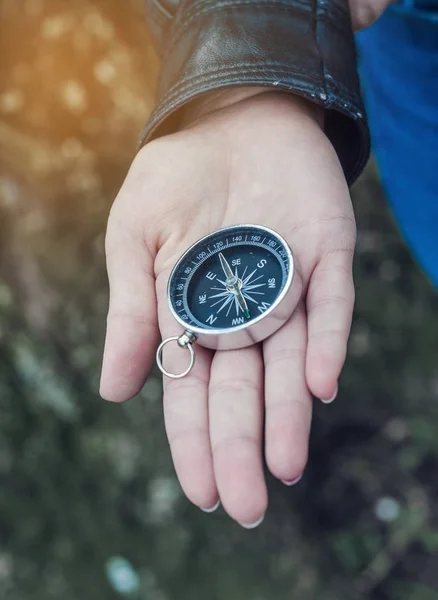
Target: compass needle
{"points": [[231, 278], [234, 284], [242, 303]]}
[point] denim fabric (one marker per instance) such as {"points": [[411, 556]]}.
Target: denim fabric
{"points": [[418, 9], [398, 61]]}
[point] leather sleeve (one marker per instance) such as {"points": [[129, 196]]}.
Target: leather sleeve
{"points": [[305, 47]]}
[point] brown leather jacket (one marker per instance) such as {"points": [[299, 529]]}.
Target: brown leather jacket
{"points": [[303, 46]]}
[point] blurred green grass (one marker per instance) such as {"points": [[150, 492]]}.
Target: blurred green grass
{"points": [[84, 482]]}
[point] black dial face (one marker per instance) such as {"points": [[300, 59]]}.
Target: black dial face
{"points": [[229, 278]]}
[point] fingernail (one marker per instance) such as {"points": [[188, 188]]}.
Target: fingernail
{"points": [[332, 398], [253, 525], [212, 508], [292, 481]]}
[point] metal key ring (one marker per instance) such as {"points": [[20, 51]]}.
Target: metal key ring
{"points": [[160, 357]]}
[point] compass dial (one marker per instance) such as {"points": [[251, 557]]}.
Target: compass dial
{"points": [[230, 278]]}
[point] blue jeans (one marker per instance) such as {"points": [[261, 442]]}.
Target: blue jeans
{"points": [[398, 62]]}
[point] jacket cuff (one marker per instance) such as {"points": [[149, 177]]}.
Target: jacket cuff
{"points": [[305, 47]]}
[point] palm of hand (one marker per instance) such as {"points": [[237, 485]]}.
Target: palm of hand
{"points": [[263, 161]]}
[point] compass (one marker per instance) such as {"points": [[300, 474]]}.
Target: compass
{"points": [[230, 290]]}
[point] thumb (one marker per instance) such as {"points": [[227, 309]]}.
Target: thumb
{"points": [[365, 12], [132, 328]]}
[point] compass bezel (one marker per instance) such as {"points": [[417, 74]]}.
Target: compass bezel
{"points": [[256, 329]]}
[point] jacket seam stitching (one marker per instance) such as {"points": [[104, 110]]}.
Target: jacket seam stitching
{"points": [[188, 86], [159, 114], [200, 6], [235, 70], [200, 9], [279, 70], [318, 45], [344, 101]]}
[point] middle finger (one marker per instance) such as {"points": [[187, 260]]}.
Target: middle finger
{"points": [[236, 427]]}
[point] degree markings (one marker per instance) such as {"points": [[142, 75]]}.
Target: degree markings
{"points": [[241, 243], [284, 263]]}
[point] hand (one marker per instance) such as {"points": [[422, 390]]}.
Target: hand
{"points": [[365, 12], [263, 159]]}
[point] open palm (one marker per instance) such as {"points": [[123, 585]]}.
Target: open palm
{"points": [[263, 160]]}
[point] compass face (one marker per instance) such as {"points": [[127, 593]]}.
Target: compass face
{"points": [[230, 278]]}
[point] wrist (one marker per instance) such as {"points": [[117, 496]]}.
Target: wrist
{"points": [[220, 99]]}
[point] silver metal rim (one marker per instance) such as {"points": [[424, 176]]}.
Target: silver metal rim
{"points": [[160, 349]]}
